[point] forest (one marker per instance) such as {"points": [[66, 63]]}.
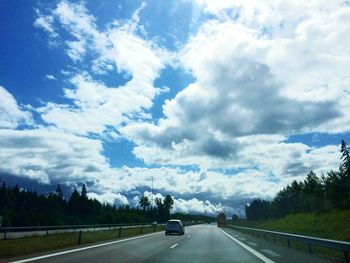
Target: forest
{"points": [[20, 207], [315, 194]]}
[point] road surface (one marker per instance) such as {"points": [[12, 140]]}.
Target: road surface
{"points": [[201, 243]]}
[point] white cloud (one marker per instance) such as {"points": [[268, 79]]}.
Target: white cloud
{"points": [[196, 206], [11, 114], [262, 72], [97, 106], [254, 85], [50, 77], [48, 155], [45, 22], [110, 198]]}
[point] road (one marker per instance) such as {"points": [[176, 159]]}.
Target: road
{"points": [[201, 243]]}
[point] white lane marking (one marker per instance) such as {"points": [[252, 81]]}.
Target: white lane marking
{"points": [[270, 252], [189, 236], [83, 248], [254, 252], [173, 246], [252, 244]]}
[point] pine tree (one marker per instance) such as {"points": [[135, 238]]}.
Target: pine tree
{"points": [[84, 192], [345, 158], [59, 191]]}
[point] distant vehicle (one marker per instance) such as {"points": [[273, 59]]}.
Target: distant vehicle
{"points": [[222, 221], [174, 226]]}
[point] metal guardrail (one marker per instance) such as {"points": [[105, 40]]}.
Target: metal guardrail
{"points": [[46, 230], [18, 232], [332, 244]]}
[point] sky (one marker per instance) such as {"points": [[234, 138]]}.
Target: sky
{"points": [[216, 102]]}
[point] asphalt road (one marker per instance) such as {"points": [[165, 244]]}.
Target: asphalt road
{"points": [[201, 243]]}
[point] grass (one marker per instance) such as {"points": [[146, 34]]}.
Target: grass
{"points": [[331, 225], [29, 245]]}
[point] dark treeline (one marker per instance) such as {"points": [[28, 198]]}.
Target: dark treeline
{"points": [[314, 194], [20, 207]]}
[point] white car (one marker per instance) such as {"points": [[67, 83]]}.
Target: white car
{"points": [[174, 226]]}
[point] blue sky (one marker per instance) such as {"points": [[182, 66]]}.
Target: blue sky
{"points": [[219, 102]]}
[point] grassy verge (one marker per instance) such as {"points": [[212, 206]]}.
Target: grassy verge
{"points": [[30, 245], [332, 225]]}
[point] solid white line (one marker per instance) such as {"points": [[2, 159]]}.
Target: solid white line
{"points": [[173, 246], [189, 236], [83, 248], [254, 252]]}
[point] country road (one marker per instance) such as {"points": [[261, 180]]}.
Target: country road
{"points": [[201, 243]]}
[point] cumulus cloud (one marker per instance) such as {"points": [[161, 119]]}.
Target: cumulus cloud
{"points": [[11, 114], [48, 155], [110, 198], [198, 206], [253, 83]]}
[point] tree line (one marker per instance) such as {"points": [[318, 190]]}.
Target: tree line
{"points": [[314, 194], [20, 207]]}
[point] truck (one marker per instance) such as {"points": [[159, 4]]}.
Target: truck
{"points": [[222, 221]]}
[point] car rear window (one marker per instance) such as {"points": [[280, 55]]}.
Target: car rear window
{"points": [[173, 222]]}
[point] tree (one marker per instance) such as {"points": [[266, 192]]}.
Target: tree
{"points": [[345, 158], [59, 191], [84, 192], [235, 217], [168, 202], [168, 205], [312, 193], [344, 175], [144, 202]]}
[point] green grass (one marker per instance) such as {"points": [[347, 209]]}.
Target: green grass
{"points": [[29, 245], [331, 225]]}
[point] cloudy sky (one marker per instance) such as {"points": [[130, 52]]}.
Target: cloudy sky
{"points": [[219, 101]]}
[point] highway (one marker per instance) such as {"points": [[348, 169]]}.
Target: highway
{"points": [[201, 243]]}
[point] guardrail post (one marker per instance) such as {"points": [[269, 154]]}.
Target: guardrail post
{"points": [[288, 242], [309, 248], [154, 228], [47, 232], [5, 234], [141, 230], [79, 238], [346, 257], [120, 232]]}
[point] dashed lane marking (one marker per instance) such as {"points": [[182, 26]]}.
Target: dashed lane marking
{"points": [[174, 245]]}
